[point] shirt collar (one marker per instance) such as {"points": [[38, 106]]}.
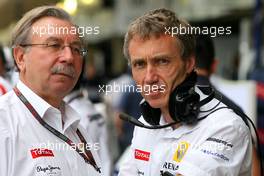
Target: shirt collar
{"points": [[178, 132], [40, 105], [71, 117], [207, 108]]}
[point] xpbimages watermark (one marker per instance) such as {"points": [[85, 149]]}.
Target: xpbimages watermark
{"points": [[213, 31], [62, 30], [59, 146], [117, 88]]}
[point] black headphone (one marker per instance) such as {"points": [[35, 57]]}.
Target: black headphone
{"points": [[184, 104]]}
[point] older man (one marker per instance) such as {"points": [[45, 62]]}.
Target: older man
{"points": [[204, 137], [39, 133]]}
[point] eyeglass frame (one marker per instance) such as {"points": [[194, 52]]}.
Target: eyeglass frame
{"points": [[83, 52]]}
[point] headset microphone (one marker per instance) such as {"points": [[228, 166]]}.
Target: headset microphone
{"points": [[136, 122]]}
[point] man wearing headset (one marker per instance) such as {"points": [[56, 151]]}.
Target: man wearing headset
{"points": [[205, 138]]}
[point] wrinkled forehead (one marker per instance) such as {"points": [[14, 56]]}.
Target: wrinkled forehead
{"points": [[160, 43], [48, 27]]}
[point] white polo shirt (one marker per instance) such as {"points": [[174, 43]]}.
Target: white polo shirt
{"points": [[29, 149], [219, 145]]}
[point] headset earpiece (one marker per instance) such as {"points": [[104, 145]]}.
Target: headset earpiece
{"points": [[184, 101], [183, 106]]}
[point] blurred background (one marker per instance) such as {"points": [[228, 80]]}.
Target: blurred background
{"points": [[236, 51], [240, 72], [113, 16]]}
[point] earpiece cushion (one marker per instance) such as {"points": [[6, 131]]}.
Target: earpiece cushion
{"points": [[183, 106]]}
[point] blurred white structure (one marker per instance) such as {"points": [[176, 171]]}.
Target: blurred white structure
{"points": [[243, 93]]}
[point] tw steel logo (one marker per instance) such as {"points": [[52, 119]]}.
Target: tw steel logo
{"points": [[142, 155]]}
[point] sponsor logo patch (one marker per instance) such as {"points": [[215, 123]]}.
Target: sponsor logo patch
{"points": [[181, 150], [47, 170], [142, 155], [218, 155], [170, 166], [38, 152]]}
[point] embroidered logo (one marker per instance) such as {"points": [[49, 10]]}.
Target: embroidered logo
{"points": [[181, 150], [38, 152], [47, 170], [142, 155]]}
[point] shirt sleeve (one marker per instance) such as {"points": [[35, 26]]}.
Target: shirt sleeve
{"points": [[226, 150], [6, 154], [128, 166]]}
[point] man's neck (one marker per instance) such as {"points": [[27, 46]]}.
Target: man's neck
{"points": [[203, 72], [167, 117], [54, 101]]}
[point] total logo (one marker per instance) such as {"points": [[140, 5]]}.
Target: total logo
{"points": [[142, 155], [40, 152]]}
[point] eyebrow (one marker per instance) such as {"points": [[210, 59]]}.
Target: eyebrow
{"points": [[77, 42], [136, 60], [158, 56], [53, 39], [57, 39]]}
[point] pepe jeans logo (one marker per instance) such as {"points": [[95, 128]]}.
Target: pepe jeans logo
{"points": [[48, 170], [181, 150]]}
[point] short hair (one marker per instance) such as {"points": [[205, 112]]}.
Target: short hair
{"points": [[20, 33], [205, 52], [21, 30], [155, 23]]}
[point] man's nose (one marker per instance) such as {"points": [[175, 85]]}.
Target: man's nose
{"points": [[67, 55], [151, 76]]}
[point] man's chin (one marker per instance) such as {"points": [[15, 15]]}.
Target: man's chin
{"points": [[62, 89], [155, 103]]}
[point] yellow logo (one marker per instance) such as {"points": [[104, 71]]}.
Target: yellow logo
{"points": [[180, 152]]}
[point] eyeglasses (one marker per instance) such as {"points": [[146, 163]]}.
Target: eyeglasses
{"points": [[57, 47]]}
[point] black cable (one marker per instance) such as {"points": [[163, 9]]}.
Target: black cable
{"points": [[243, 115], [258, 144], [211, 108]]}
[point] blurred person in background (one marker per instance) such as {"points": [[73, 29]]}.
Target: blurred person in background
{"points": [[206, 65], [92, 121], [5, 86], [113, 96], [128, 103]]}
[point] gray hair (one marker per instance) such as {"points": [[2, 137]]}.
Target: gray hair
{"points": [[155, 23], [22, 29]]}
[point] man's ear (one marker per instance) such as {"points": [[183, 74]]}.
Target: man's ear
{"points": [[18, 53], [190, 63], [214, 66]]}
